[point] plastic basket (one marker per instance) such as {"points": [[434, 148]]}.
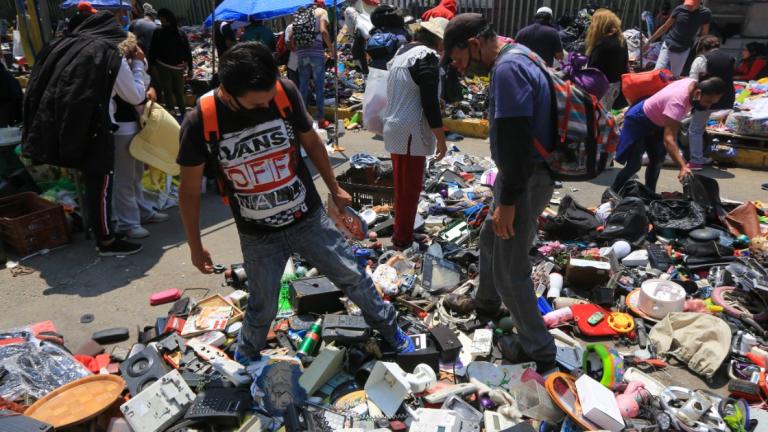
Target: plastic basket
{"points": [[363, 194], [29, 223]]}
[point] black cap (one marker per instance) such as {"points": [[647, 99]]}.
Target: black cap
{"points": [[462, 28]]}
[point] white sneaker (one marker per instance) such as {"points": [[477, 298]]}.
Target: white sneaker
{"points": [[156, 218], [137, 233]]}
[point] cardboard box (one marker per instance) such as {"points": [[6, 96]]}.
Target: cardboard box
{"points": [[587, 273], [599, 404]]}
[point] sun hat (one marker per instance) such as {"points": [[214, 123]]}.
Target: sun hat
{"points": [[436, 26], [158, 142]]}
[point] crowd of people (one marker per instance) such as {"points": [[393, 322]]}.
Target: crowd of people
{"points": [[251, 128]]}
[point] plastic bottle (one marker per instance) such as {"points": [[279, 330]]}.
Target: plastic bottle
{"points": [[555, 285], [311, 340]]}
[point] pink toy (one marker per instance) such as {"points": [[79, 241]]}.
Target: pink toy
{"points": [[558, 317], [629, 401]]}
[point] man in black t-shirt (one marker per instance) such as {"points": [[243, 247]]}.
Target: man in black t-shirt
{"points": [[541, 37], [276, 207], [224, 37]]}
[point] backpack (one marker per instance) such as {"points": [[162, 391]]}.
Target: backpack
{"points": [[589, 79], [573, 221], [382, 45], [585, 137], [628, 221], [211, 135], [305, 29]]}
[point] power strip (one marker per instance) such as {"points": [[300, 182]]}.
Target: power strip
{"points": [[456, 389], [207, 352]]}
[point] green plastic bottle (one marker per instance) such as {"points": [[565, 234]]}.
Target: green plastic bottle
{"points": [[311, 340]]}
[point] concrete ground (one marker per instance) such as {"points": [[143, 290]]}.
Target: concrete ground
{"points": [[73, 280]]}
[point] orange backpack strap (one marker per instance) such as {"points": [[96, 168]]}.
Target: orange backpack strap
{"points": [[282, 102], [210, 118]]}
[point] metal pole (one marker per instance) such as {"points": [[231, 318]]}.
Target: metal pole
{"points": [[213, 36], [335, 79], [640, 17]]}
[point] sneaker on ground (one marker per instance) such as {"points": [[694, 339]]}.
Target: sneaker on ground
{"points": [[695, 166], [403, 342], [484, 315], [765, 186], [119, 248], [243, 359], [156, 218], [136, 233]]}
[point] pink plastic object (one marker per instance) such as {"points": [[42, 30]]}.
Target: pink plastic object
{"points": [[629, 401], [558, 317], [166, 296]]}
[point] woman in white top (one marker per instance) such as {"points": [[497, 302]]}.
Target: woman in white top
{"points": [[130, 91], [413, 125]]}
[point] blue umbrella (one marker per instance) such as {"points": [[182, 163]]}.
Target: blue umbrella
{"points": [[243, 10], [99, 4]]}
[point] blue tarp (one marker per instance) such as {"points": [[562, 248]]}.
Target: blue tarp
{"points": [[99, 4], [242, 10]]}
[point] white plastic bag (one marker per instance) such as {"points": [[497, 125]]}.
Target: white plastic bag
{"points": [[375, 100]]}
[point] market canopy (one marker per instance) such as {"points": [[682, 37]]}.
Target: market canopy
{"points": [[99, 4], [243, 10]]}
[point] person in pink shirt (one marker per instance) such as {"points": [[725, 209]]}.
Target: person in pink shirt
{"points": [[651, 126]]}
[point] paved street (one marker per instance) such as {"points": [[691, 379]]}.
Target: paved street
{"points": [[73, 280]]}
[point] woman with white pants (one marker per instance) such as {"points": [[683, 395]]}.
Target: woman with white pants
{"points": [[686, 22], [129, 92], [710, 62]]}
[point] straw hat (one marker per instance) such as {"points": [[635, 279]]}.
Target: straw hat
{"points": [[436, 26], [158, 142]]}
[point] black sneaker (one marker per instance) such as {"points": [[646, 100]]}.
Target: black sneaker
{"points": [[765, 186], [486, 315], [119, 248]]}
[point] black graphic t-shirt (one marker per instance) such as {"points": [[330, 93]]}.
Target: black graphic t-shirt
{"points": [[269, 185]]}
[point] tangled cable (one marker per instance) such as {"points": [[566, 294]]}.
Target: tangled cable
{"points": [[446, 316]]}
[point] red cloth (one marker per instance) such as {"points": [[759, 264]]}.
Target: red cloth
{"points": [[409, 179], [748, 70], [94, 364], [446, 9]]}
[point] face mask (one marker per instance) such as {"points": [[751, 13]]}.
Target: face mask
{"points": [[476, 67], [245, 111]]}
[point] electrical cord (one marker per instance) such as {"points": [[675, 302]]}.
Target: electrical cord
{"points": [[446, 316]]}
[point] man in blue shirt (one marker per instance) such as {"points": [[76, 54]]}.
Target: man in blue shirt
{"points": [[520, 114]]}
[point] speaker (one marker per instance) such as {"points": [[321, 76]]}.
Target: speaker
{"points": [[142, 369]]}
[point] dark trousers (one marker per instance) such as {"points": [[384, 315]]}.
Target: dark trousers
{"points": [[505, 270], [98, 204], [635, 162], [409, 178], [172, 85]]}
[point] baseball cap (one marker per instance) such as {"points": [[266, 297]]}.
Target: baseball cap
{"points": [[86, 7], [545, 10], [462, 28]]}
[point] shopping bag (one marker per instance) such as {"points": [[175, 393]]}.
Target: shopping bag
{"points": [[375, 101], [637, 86]]}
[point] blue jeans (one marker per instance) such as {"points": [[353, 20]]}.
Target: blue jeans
{"points": [[318, 241], [674, 61], [311, 67], [696, 129]]}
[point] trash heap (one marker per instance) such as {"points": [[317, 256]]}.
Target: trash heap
{"points": [[641, 283]]}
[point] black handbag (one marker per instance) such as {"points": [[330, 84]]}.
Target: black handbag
{"points": [[679, 214]]}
